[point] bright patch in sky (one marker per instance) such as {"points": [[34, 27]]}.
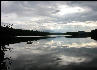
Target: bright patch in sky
{"points": [[64, 9]]}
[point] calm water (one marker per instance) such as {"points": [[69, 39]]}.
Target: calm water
{"points": [[57, 53]]}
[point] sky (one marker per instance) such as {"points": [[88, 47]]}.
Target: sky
{"points": [[52, 16]]}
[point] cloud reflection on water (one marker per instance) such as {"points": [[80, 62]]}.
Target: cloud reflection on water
{"points": [[52, 52]]}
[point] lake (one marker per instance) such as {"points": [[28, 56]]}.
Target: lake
{"points": [[53, 53]]}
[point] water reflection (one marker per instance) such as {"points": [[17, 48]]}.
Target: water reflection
{"points": [[57, 53]]}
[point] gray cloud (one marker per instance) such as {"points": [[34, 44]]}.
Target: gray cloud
{"points": [[43, 8], [44, 11]]}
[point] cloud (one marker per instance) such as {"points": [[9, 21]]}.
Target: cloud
{"points": [[55, 14]]}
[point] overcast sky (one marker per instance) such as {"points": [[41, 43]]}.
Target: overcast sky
{"points": [[56, 16]]}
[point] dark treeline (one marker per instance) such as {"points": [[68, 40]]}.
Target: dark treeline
{"points": [[94, 34], [10, 32], [82, 34], [79, 34]]}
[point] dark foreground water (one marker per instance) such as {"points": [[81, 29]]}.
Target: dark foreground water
{"points": [[59, 53]]}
